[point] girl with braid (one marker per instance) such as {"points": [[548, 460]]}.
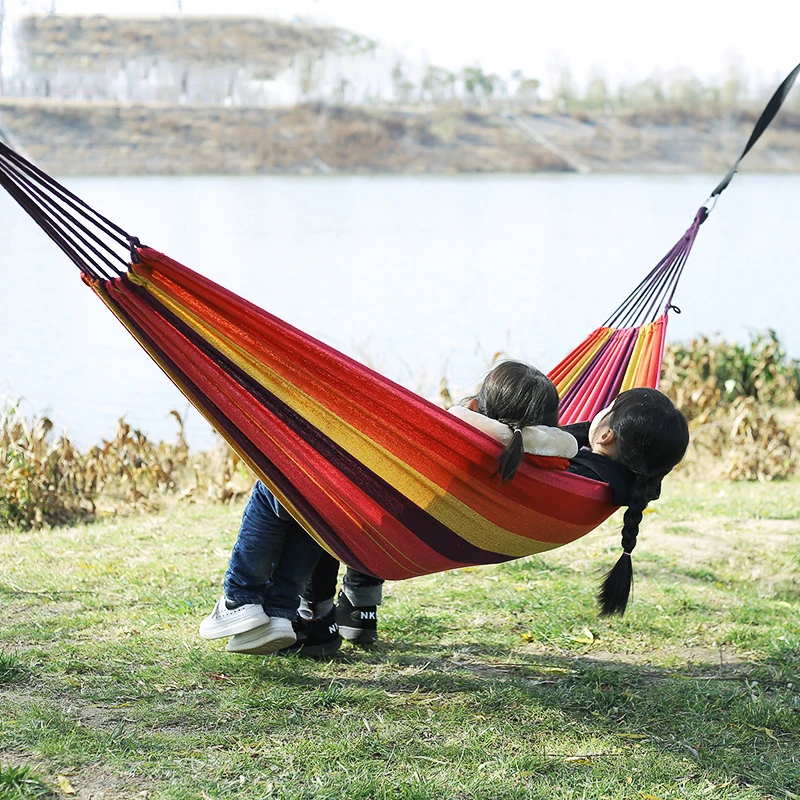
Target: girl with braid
{"points": [[517, 405], [631, 445]]}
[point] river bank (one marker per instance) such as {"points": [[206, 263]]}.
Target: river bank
{"points": [[107, 138]]}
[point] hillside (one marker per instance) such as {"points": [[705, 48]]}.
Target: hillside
{"points": [[103, 138]]}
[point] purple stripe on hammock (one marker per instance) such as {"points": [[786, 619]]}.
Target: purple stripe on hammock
{"points": [[421, 524]]}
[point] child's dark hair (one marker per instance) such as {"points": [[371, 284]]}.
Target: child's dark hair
{"points": [[651, 437], [518, 395]]}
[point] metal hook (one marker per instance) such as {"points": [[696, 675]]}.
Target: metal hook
{"points": [[712, 198]]}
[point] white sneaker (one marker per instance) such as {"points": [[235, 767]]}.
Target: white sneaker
{"points": [[275, 635], [224, 621]]}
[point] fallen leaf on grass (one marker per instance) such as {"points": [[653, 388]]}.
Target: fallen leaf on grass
{"points": [[584, 637], [645, 796], [763, 730], [695, 753], [65, 785], [585, 760]]}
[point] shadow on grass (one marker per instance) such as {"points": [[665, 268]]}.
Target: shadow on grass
{"points": [[738, 723]]}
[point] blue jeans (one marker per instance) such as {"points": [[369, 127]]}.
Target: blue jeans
{"points": [[272, 559]]}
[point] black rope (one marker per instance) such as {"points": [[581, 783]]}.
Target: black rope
{"points": [[71, 226], [767, 115], [653, 295], [98, 247], [63, 192]]}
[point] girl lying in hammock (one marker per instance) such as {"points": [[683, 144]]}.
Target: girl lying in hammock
{"points": [[631, 446]]}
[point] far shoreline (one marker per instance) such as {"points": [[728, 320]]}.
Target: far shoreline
{"points": [[68, 137]]}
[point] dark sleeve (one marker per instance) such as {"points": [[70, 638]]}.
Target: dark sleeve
{"points": [[601, 468], [580, 467], [580, 430]]}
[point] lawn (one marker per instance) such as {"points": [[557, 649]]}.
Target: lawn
{"points": [[491, 682]]}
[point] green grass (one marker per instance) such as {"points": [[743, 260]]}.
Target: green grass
{"points": [[497, 682], [21, 783]]}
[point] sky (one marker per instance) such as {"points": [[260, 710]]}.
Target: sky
{"points": [[628, 40]]}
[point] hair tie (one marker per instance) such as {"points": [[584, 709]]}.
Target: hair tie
{"points": [[626, 553]]}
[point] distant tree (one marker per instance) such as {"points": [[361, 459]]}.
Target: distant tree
{"points": [[438, 85], [356, 45], [685, 90], [734, 85], [497, 88], [401, 85], [310, 71], [564, 93], [597, 94], [342, 91], [527, 90], [180, 6], [478, 86], [648, 93]]}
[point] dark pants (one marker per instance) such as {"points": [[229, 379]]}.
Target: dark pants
{"points": [[361, 590]]}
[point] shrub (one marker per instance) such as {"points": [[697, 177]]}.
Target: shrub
{"points": [[706, 372], [741, 403], [41, 482], [47, 481]]}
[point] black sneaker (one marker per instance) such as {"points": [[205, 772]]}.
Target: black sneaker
{"points": [[357, 624], [317, 638]]}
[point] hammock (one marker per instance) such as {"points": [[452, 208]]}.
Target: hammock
{"points": [[388, 482]]}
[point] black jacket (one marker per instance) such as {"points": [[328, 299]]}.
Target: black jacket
{"points": [[599, 467]]}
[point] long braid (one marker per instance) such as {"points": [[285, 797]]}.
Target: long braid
{"points": [[616, 587], [651, 437]]}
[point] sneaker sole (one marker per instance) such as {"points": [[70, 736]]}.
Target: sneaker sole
{"points": [[358, 635], [223, 629], [260, 645], [314, 650]]}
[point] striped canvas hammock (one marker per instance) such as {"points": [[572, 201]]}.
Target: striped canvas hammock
{"points": [[388, 482]]}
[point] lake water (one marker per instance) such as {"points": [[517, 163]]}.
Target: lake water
{"points": [[418, 276]]}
